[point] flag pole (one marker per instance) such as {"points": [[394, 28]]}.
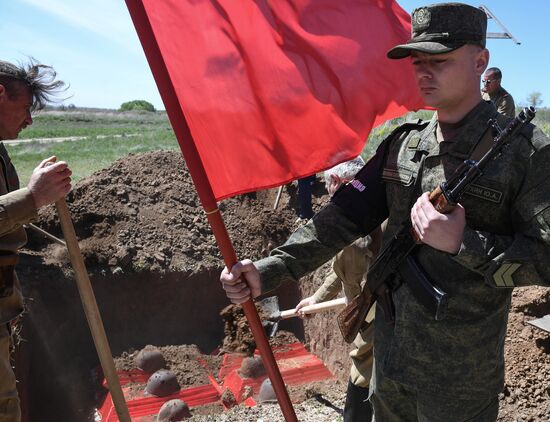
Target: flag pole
{"points": [[205, 193]]}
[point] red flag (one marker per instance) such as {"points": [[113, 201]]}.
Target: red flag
{"points": [[277, 90]]}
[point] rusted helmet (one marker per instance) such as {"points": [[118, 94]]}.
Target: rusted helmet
{"points": [[173, 410], [162, 383], [252, 367], [150, 359], [266, 391]]}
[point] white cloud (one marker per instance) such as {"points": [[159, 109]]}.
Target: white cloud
{"points": [[107, 18], [128, 78], [25, 42]]}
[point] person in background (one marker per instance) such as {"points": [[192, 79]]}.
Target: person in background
{"points": [[493, 91], [23, 89], [348, 272], [304, 198]]}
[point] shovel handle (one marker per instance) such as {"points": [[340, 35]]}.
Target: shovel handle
{"points": [[278, 198], [317, 307], [91, 311]]}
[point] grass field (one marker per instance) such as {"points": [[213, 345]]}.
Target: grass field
{"points": [[110, 135]]}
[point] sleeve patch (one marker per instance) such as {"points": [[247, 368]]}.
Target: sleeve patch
{"points": [[503, 276], [402, 176]]}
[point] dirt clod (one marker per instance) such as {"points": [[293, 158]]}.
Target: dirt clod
{"points": [[237, 334], [238, 337], [228, 399], [247, 392]]}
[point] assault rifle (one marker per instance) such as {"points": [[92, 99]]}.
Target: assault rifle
{"points": [[396, 262]]}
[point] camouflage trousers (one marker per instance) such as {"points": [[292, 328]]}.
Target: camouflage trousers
{"points": [[394, 402], [9, 399]]}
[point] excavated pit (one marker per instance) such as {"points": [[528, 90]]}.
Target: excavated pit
{"points": [[154, 268]]}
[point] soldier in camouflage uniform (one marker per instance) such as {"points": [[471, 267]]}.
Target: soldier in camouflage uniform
{"points": [[22, 89], [493, 91], [348, 272], [498, 238]]}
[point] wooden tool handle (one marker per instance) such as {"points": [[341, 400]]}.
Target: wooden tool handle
{"points": [[92, 312], [317, 307]]}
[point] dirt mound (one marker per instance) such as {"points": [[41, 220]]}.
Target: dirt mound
{"points": [[526, 393], [143, 214]]}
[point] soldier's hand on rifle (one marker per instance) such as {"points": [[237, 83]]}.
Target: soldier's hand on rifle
{"points": [[440, 231], [50, 181], [304, 302], [242, 283]]}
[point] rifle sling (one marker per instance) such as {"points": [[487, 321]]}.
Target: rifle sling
{"points": [[483, 145]]}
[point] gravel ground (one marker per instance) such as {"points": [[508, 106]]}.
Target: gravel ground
{"points": [[315, 409]]}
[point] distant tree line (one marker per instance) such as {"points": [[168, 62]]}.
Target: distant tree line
{"points": [[137, 105]]}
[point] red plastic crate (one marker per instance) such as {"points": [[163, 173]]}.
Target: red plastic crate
{"points": [[296, 364], [147, 406]]}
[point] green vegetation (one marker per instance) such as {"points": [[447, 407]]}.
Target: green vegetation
{"points": [[104, 136], [137, 105], [534, 99], [379, 133], [542, 119]]}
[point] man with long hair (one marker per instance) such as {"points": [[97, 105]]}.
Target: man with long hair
{"points": [[23, 89]]}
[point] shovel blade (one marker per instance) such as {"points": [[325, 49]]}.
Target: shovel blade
{"points": [[542, 323], [270, 314], [270, 328], [269, 308]]}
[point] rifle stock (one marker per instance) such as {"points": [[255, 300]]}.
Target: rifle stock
{"points": [[353, 316], [396, 259]]}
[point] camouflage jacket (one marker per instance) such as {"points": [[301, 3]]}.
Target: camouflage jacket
{"points": [[503, 101], [505, 244], [16, 208]]}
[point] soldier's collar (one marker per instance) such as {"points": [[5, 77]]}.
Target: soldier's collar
{"points": [[421, 141], [474, 128]]}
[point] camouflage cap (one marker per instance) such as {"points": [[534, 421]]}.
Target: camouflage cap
{"points": [[444, 27]]}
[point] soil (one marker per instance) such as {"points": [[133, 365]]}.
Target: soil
{"points": [[146, 240], [315, 402], [142, 214], [181, 360], [238, 337], [526, 395]]}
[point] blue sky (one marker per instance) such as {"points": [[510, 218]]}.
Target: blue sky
{"points": [[93, 45]]}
